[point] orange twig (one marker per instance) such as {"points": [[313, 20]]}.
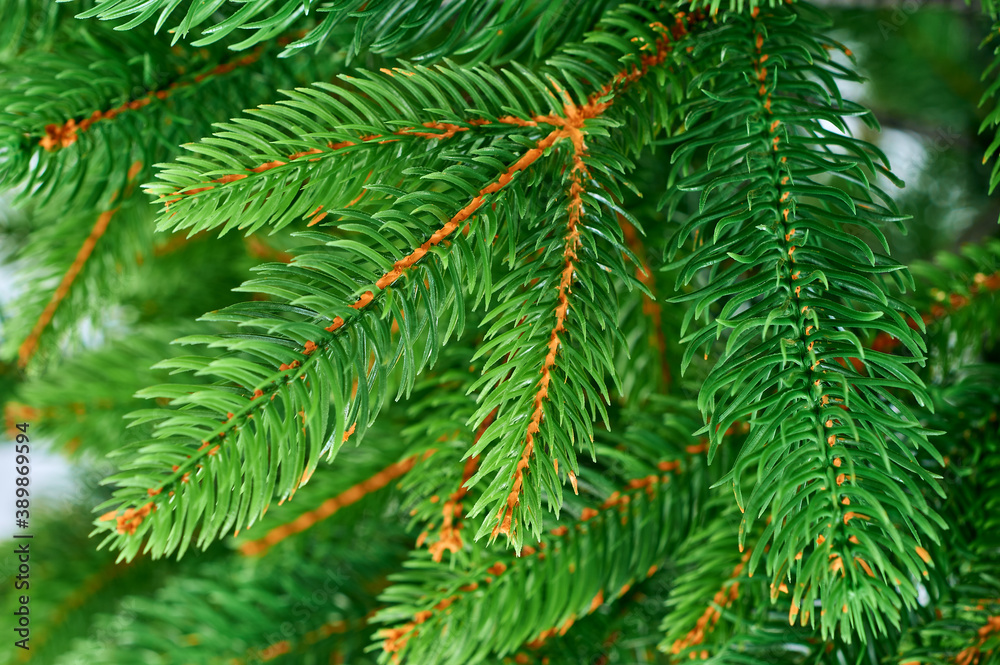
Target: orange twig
{"points": [[259, 249], [450, 537], [394, 639], [330, 506], [29, 346], [63, 135], [571, 244], [989, 283], [724, 597], [971, 655], [571, 126]]}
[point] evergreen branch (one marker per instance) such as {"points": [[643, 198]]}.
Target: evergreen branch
{"points": [[434, 607], [620, 633], [960, 625], [450, 535], [426, 30], [88, 582], [950, 284], [739, 626], [90, 586], [597, 602], [277, 608], [416, 639], [954, 302], [766, 637], [723, 598], [30, 344], [368, 125], [284, 647], [987, 640], [571, 242], [482, 31], [79, 416], [442, 393], [780, 265], [274, 22], [992, 93], [237, 408], [205, 202], [966, 632], [957, 298], [62, 135], [714, 592], [489, 190], [514, 354], [129, 287], [379, 139], [55, 140], [313, 359], [66, 259]]}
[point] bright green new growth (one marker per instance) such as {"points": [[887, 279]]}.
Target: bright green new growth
{"points": [[603, 288]]}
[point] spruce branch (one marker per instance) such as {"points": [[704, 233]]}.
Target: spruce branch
{"points": [[456, 290], [659, 476], [308, 360], [255, 606], [438, 490], [990, 95], [424, 30], [30, 344], [513, 354], [956, 296], [727, 594], [416, 639], [294, 338], [449, 537], [843, 483], [73, 120]]}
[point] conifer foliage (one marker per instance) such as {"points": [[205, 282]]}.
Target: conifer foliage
{"points": [[554, 322]]}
